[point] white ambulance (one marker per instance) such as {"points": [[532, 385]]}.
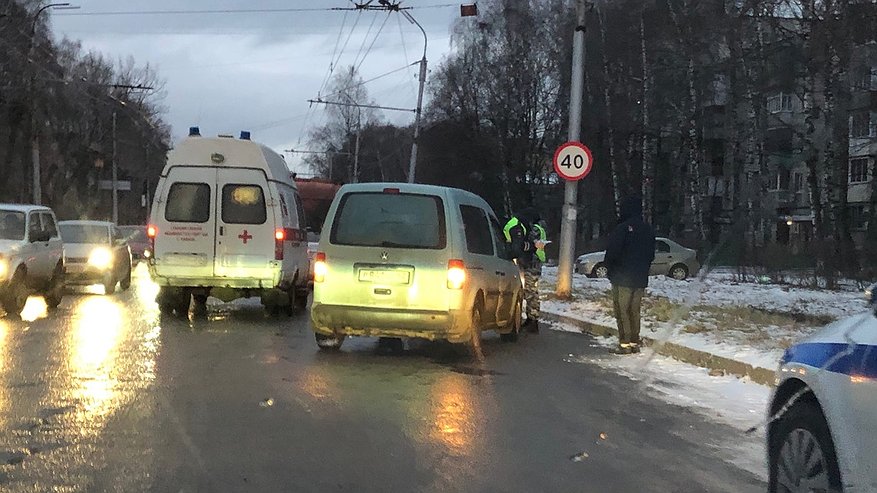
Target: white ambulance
{"points": [[227, 221]]}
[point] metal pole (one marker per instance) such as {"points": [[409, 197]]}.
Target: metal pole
{"points": [[570, 196], [356, 157], [115, 176], [412, 165], [36, 186]]}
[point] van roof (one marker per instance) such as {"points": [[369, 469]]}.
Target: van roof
{"points": [[406, 188], [24, 207], [200, 151], [415, 188]]}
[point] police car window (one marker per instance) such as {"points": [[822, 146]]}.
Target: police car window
{"points": [[478, 237], [662, 246], [390, 220], [243, 204], [188, 203]]}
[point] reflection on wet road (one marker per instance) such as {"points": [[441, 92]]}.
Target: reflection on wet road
{"points": [[105, 394]]}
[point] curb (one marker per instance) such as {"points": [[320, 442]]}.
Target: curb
{"points": [[684, 354]]}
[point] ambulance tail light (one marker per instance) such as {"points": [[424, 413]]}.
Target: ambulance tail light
{"points": [[279, 238], [151, 233], [456, 274], [320, 267]]}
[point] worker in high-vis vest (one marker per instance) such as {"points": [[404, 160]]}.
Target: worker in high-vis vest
{"points": [[527, 240]]}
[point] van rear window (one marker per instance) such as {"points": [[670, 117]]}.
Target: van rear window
{"points": [[243, 204], [377, 219], [188, 203]]}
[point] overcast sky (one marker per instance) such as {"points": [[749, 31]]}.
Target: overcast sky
{"points": [[255, 71]]}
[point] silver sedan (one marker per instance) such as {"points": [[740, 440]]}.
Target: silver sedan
{"points": [[671, 260]]}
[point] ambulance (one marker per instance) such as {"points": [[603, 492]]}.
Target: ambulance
{"points": [[227, 221]]}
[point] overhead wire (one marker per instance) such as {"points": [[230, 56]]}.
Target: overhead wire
{"points": [[377, 34], [365, 39], [405, 54], [234, 11]]}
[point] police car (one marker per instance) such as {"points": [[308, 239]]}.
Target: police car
{"points": [[822, 434]]}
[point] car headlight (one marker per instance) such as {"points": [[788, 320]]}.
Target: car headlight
{"points": [[101, 258], [4, 268]]}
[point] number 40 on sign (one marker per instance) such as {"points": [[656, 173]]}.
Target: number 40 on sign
{"points": [[573, 161]]}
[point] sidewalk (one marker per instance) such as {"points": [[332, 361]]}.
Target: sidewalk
{"points": [[729, 328]]}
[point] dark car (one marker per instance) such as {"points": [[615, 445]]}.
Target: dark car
{"points": [[137, 240]]}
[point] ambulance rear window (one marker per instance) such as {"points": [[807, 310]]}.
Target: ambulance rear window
{"points": [[188, 203], [243, 204]]}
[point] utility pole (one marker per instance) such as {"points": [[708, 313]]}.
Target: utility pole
{"points": [[570, 195], [395, 6], [115, 175], [412, 165], [36, 187]]}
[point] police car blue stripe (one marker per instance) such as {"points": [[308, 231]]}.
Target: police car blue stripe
{"points": [[857, 359]]}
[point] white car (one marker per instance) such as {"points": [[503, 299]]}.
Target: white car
{"points": [[671, 260], [96, 253], [31, 256], [822, 435]]}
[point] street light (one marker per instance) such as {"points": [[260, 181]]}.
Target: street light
{"points": [[115, 169], [35, 138]]}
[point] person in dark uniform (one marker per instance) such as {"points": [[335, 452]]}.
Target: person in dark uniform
{"points": [[629, 255], [525, 240]]}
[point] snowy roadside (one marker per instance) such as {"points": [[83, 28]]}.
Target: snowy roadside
{"points": [[747, 322], [737, 402]]}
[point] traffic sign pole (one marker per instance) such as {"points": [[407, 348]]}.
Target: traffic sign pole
{"points": [[570, 196]]}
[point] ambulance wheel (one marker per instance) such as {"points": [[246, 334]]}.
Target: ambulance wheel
{"points": [[182, 302]]}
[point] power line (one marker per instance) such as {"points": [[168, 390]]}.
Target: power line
{"points": [[240, 11], [380, 29], [353, 86]]}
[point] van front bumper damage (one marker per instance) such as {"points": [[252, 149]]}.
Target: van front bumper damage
{"points": [[336, 320]]}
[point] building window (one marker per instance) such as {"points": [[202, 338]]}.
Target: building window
{"points": [[858, 170], [780, 181], [865, 79], [798, 179], [779, 102], [858, 217], [860, 125]]}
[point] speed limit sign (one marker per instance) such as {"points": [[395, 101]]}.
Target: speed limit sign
{"points": [[573, 161]]}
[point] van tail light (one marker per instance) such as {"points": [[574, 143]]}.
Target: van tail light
{"points": [[320, 267], [279, 237], [456, 274]]}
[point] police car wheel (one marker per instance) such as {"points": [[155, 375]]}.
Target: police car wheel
{"points": [[801, 452]]}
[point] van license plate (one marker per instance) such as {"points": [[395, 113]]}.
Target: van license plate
{"points": [[385, 276]]}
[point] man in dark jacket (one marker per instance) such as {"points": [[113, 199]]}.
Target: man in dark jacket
{"points": [[629, 256], [525, 242]]}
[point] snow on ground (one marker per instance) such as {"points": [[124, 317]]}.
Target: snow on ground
{"points": [[737, 402], [719, 289], [747, 322]]}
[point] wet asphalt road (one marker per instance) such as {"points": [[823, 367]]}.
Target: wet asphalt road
{"points": [[107, 395]]}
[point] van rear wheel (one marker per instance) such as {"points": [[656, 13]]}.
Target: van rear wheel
{"points": [[328, 343]]}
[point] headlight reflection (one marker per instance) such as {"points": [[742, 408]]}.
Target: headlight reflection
{"points": [[93, 357]]}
